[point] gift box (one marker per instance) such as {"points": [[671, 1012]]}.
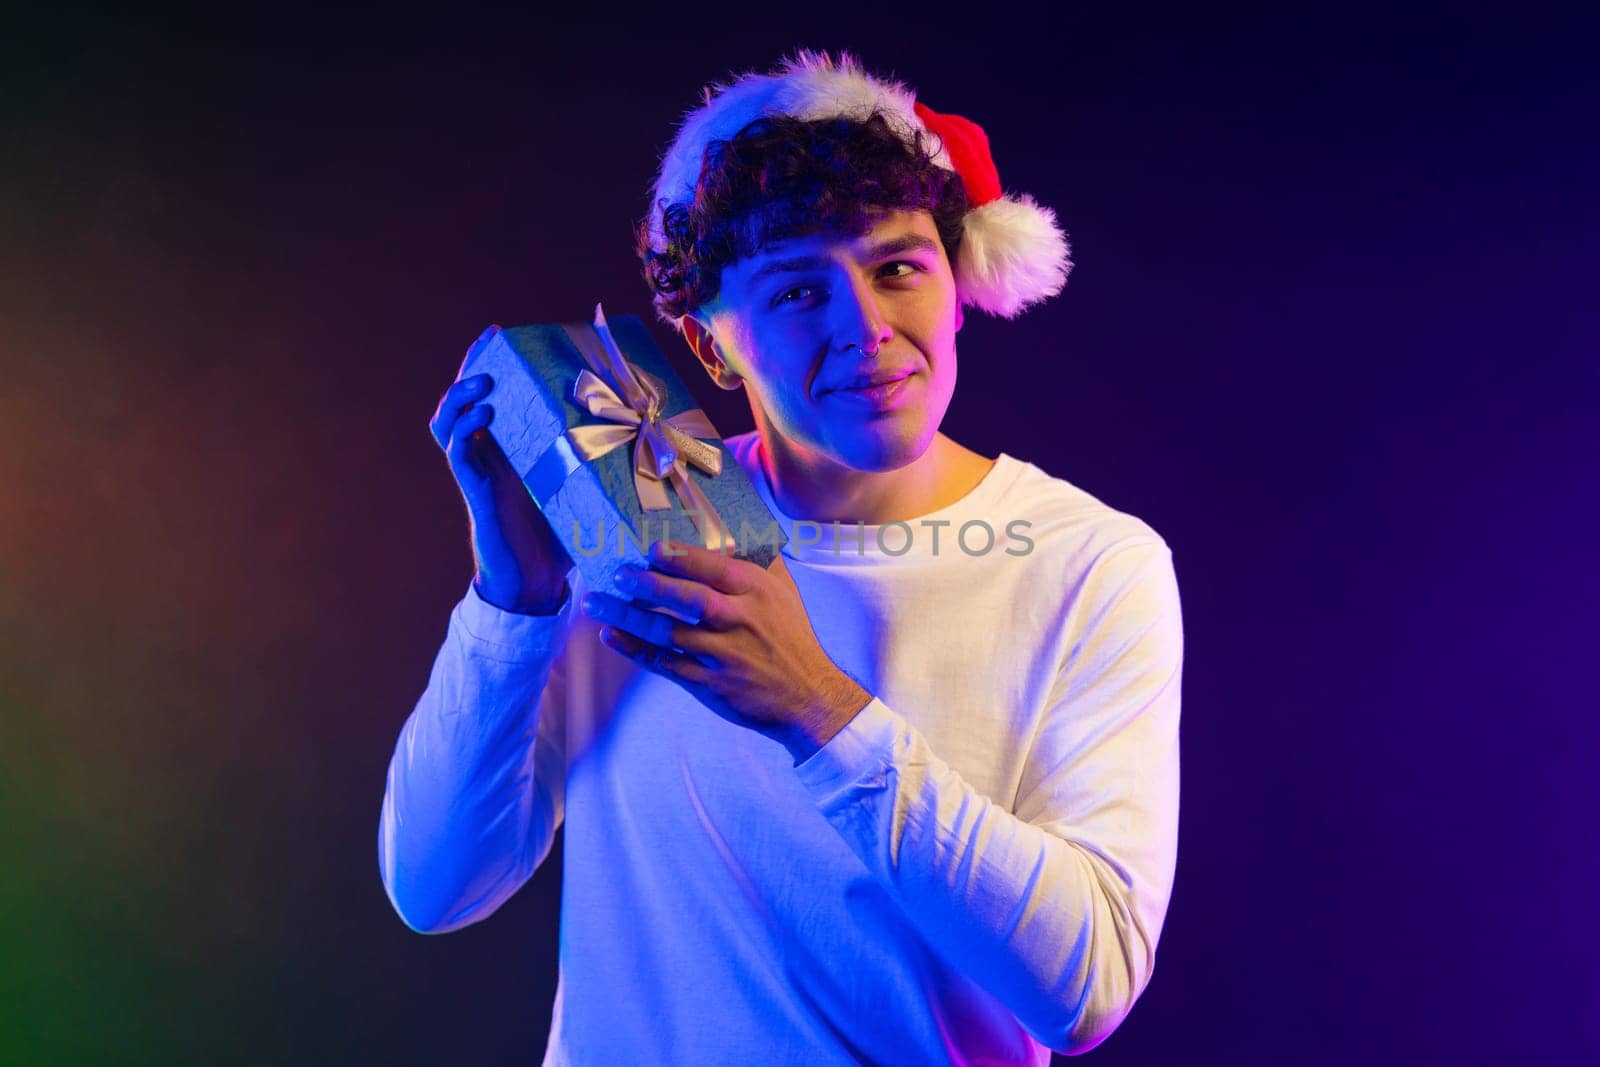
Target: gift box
{"points": [[613, 448]]}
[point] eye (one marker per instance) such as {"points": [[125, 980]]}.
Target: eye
{"points": [[892, 270], [793, 295]]}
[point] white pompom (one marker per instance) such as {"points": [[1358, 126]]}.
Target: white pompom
{"points": [[1013, 254]]}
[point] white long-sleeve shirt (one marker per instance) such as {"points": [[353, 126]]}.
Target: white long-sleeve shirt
{"points": [[974, 870]]}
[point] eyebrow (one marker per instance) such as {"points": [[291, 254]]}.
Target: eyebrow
{"points": [[910, 242]]}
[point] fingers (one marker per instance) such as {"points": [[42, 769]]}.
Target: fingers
{"points": [[460, 415], [724, 573], [646, 625], [461, 395], [698, 604], [656, 658], [463, 453]]}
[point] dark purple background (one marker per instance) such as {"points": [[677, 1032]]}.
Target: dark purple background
{"points": [[1332, 333]]}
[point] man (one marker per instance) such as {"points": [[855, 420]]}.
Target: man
{"points": [[908, 796]]}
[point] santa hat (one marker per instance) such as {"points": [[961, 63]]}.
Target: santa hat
{"points": [[1013, 253]]}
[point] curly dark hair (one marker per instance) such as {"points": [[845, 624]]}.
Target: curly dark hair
{"points": [[782, 177]]}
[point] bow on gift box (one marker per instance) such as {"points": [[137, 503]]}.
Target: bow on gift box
{"points": [[631, 399]]}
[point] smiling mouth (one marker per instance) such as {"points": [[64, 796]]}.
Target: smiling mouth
{"points": [[882, 395], [876, 386]]}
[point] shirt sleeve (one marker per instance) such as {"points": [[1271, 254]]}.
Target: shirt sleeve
{"points": [[475, 786], [1055, 906]]}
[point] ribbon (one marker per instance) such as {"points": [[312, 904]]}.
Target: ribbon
{"points": [[630, 399]]}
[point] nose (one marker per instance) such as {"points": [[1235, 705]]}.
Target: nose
{"points": [[861, 323]]}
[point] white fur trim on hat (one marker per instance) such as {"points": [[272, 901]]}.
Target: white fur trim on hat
{"points": [[1013, 253]]}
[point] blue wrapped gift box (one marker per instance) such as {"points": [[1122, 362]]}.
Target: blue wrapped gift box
{"points": [[613, 448]]}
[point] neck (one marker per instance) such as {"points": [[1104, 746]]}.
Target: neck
{"points": [[821, 490]]}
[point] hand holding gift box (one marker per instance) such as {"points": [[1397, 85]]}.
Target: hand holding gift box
{"points": [[608, 442]]}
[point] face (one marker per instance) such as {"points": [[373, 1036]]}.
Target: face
{"points": [[797, 325]]}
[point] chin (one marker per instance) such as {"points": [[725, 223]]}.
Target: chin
{"points": [[888, 449]]}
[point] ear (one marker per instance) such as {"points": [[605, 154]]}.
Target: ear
{"points": [[960, 314], [706, 349]]}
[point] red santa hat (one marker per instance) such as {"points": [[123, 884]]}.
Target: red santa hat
{"points": [[1013, 252]]}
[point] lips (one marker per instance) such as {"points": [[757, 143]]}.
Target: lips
{"points": [[878, 399], [867, 381]]}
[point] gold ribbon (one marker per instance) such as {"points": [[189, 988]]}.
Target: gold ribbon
{"points": [[630, 399]]}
